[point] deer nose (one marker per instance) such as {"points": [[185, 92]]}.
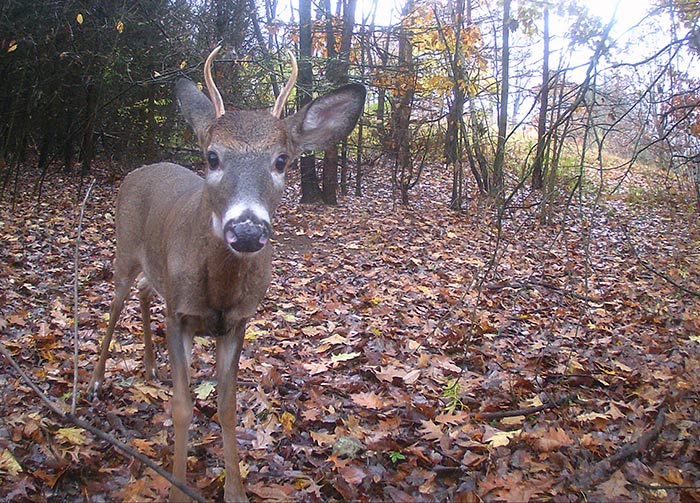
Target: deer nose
{"points": [[247, 234]]}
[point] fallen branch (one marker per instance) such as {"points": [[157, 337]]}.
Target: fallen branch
{"points": [[56, 408], [604, 468], [526, 411]]}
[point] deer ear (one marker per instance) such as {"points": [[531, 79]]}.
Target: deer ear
{"points": [[328, 119], [196, 108]]}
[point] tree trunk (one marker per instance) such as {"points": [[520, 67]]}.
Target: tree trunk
{"points": [[452, 147], [330, 177], [310, 191], [401, 115], [497, 186], [337, 74], [542, 138]]}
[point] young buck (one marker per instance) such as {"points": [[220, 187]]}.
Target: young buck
{"points": [[203, 244]]}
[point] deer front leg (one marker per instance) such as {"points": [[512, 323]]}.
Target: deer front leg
{"points": [[124, 279], [180, 335], [228, 352]]}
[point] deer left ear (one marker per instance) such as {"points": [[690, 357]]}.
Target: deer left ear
{"points": [[197, 109], [328, 119]]}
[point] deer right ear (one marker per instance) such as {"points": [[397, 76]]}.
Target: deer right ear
{"points": [[328, 119], [196, 108]]}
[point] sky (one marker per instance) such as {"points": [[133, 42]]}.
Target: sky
{"points": [[628, 13]]}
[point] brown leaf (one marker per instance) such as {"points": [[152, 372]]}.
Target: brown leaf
{"points": [[352, 474]]}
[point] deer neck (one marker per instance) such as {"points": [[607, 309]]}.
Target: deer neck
{"points": [[234, 281]]}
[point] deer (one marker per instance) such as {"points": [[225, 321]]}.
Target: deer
{"points": [[203, 243]]}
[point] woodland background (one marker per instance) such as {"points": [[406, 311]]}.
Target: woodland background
{"points": [[490, 291]]}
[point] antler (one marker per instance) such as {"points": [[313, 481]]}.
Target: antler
{"points": [[286, 91], [211, 87]]}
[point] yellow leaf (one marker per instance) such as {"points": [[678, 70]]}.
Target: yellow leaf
{"points": [[343, 357], [13, 46], [71, 435], [79, 18], [253, 332], [183, 64], [120, 26], [287, 421], [501, 438], [204, 390], [8, 463]]}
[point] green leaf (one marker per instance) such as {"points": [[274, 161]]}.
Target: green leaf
{"points": [[396, 456]]}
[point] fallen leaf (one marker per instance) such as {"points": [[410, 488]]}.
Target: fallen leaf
{"points": [[204, 389], [9, 464], [72, 435]]}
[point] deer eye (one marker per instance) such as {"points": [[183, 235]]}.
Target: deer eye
{"points": [[281, 162], [213, 159]]}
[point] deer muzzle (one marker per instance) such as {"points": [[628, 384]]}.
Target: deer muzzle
{"points": [[247, 234]]}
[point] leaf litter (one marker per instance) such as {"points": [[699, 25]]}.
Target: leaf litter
{"points": [[383, 347]]}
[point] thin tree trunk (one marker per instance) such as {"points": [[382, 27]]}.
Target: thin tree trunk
{"points": [[542, 140], [87, 150], [498, 165]]}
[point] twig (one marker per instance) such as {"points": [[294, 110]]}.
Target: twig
{"points": [[526, 411], [670, 487], [603, 469], [76, 263], [69, 417], [543, 284]]}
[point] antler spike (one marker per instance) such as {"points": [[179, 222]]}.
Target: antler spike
{"points": [[286, 91], [211, 87]]}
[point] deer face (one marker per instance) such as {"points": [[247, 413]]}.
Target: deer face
{"points": [[247, 152], [247, 157]]}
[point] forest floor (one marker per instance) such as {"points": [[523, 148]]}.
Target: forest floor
{"points": [[401, 354]]}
